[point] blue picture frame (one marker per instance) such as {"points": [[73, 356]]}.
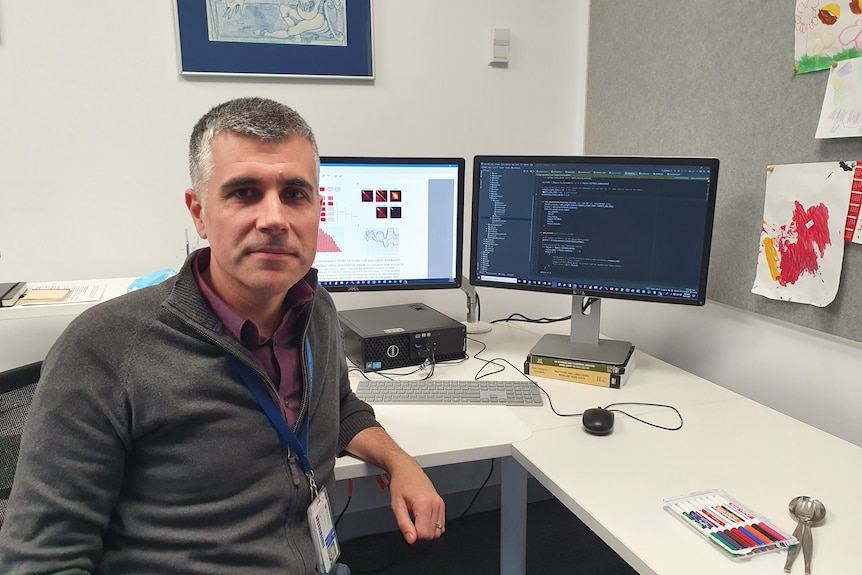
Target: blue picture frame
{"points": [[304, 38]]}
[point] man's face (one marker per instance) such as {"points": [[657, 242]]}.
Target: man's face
{"points": [[261, 217]]}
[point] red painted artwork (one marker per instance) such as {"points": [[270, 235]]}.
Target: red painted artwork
{"points": [[801, 244]]}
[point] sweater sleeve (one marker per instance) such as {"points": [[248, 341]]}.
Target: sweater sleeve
{"points": [[71, 460], [355, 414]]}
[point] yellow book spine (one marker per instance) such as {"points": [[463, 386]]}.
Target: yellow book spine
{"points": [[575, 375]]}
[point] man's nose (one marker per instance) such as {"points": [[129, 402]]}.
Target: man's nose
{"points": [[273, 214]]}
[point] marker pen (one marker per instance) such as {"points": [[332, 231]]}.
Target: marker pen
{"points": [[725, 540], [688, 516], [765, 527], [739, 509], [758, 539], [701, 519], [730, 513], [713, 517], [736, 538], [748, 540]]}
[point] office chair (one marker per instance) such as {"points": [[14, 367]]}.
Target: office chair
{"points": [[16, 392]]}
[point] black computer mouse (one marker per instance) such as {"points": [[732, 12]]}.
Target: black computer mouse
{"points": [[598, 421]]}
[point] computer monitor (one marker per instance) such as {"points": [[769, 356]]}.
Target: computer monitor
{"points": [[390, 223], [594, 227]]}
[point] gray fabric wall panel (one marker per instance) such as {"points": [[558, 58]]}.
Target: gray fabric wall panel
{"points": [[706, 78]]}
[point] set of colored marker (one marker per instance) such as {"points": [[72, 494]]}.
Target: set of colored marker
{"points": [[728, 524]]}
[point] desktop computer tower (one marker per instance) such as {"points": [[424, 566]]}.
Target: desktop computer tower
{"points": [[396, 336]]}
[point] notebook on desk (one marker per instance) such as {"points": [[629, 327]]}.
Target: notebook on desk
{"points": [[11, 292]]}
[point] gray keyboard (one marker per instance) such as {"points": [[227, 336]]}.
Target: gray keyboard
{"points": [[450, 392]]}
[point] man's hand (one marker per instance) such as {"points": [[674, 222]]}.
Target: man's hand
{"points": [[419, 510]]}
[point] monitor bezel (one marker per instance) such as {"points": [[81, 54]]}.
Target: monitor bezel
{"points": [[459, 220], [713, 163]]}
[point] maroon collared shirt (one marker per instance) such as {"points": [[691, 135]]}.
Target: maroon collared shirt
{"points": [[280, 354]]}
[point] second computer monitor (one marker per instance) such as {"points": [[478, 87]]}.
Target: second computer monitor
{"points": [[389, 223], [599, 227]]}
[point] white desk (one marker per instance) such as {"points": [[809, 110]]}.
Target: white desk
{"points": [[28, 332], [481, 428], [464, 433], [763, 458], [615, 484]]}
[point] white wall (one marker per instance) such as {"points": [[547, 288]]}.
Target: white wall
{"points": [[95, 118]]}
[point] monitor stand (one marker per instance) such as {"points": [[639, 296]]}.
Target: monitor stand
{"points": [[584, 343], [473, 324]]}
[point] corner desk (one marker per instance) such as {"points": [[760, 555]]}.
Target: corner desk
{"points": [[614, 484]]}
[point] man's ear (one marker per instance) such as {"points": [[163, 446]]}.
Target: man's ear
{"points": [[196, 208]]}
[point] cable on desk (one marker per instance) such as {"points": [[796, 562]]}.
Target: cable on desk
{"points": [[487, 362], [359, 371], [523, 318], [386, 374], [678, 414], [527, 377], [479, 375], [429, 362]]}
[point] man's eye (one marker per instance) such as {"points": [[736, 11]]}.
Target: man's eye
{"points": [[242, 194], [294, 194]]}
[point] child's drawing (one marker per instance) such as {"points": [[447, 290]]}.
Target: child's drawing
{"points": [[827, 32], [841, 115], [801, 247], [306, 22]]}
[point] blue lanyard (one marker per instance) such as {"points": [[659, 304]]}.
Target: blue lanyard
{"points": [[288, 439]]}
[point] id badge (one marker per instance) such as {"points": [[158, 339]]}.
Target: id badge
{"points": [[323, 532]]}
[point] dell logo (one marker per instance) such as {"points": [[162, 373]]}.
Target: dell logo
{"points": [[392, 351]]}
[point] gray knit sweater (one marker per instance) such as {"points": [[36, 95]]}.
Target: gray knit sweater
{"points": [[142, 454]]}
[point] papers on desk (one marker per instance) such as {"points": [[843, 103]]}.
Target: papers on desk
{"points": [[57, 293]]}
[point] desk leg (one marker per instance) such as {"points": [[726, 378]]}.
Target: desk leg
{"points": [[513, 517]]}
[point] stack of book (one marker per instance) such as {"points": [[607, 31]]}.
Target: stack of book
{"points": [[11, 292], [578, 371]]}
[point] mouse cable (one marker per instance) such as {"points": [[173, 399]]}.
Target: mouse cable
{"points": [[487, 361], [480, 375], [493, 361], [675, 410]]}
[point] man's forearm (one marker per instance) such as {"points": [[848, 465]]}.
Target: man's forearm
{"points": [[374, 445]]}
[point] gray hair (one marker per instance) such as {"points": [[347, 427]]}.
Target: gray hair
{"points": [[261, 118]]}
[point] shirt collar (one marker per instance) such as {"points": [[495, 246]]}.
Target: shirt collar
{"points": [[241, 327]]}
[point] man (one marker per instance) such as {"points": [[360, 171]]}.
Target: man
{"points": [[156, 441]]}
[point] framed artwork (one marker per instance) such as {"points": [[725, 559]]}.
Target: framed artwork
{"points": [[302, 38]]}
